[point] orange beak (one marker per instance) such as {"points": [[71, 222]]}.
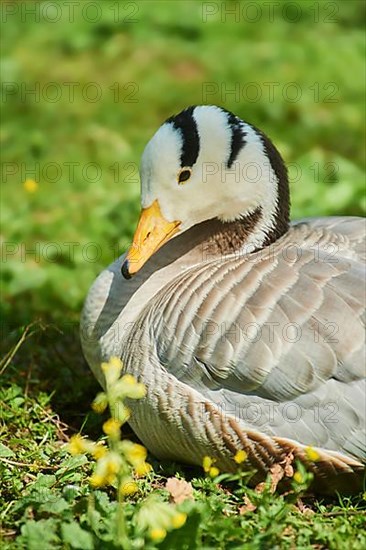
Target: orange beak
{"points": [[153, 230]]}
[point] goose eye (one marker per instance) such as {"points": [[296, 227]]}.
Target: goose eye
{"points": [[184, 175]]}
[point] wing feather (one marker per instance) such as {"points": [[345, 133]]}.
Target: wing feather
{"points": [[275, 328]]}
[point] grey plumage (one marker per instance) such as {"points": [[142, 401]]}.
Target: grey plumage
{"points": [[262, 351]]}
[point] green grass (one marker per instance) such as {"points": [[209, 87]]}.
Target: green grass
{"points": [[47, 501], [56, 240]]}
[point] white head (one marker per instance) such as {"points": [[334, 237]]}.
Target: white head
{"points": [[207, 163]]}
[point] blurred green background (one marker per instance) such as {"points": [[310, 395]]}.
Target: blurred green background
{"points": [[106, 75]]}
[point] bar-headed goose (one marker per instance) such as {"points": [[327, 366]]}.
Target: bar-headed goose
{"points": [[246, 330]]}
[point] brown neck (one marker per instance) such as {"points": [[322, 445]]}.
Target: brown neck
{"points": [[228, 237]]}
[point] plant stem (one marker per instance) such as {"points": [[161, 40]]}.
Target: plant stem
{"points": [[122, 538]]}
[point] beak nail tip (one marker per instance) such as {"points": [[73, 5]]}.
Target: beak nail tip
{"points": [[124, 270]]}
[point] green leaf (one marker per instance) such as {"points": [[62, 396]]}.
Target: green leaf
{"points": [[44, 480], [5, 451], [76, 537], [72, 463], [39, 534], [55, 506]]}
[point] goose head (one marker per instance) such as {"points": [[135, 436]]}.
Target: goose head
{"points": [[202, 164]]}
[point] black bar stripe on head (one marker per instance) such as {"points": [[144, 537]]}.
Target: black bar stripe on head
{"points": [[237, 137], [186, 124]]}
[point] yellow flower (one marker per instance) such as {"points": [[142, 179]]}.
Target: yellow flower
{"points": [[110, 479], [129, 387], [121, 412], [129, 379], [178, 520], [128, 487], [112, 427], [298, 477], [99, 451], [142, 469], [312, 454], [30, 186], [207, 463], [77, 445], [240, 456], [115, 363], [158, 517], [208, 467], [97, 480], [157, 534], [112, 370], [106, 469], [100, 403], [134, 453], [113, 463]]}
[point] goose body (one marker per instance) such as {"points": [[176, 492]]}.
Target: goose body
{"points": [[247, 331]]}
